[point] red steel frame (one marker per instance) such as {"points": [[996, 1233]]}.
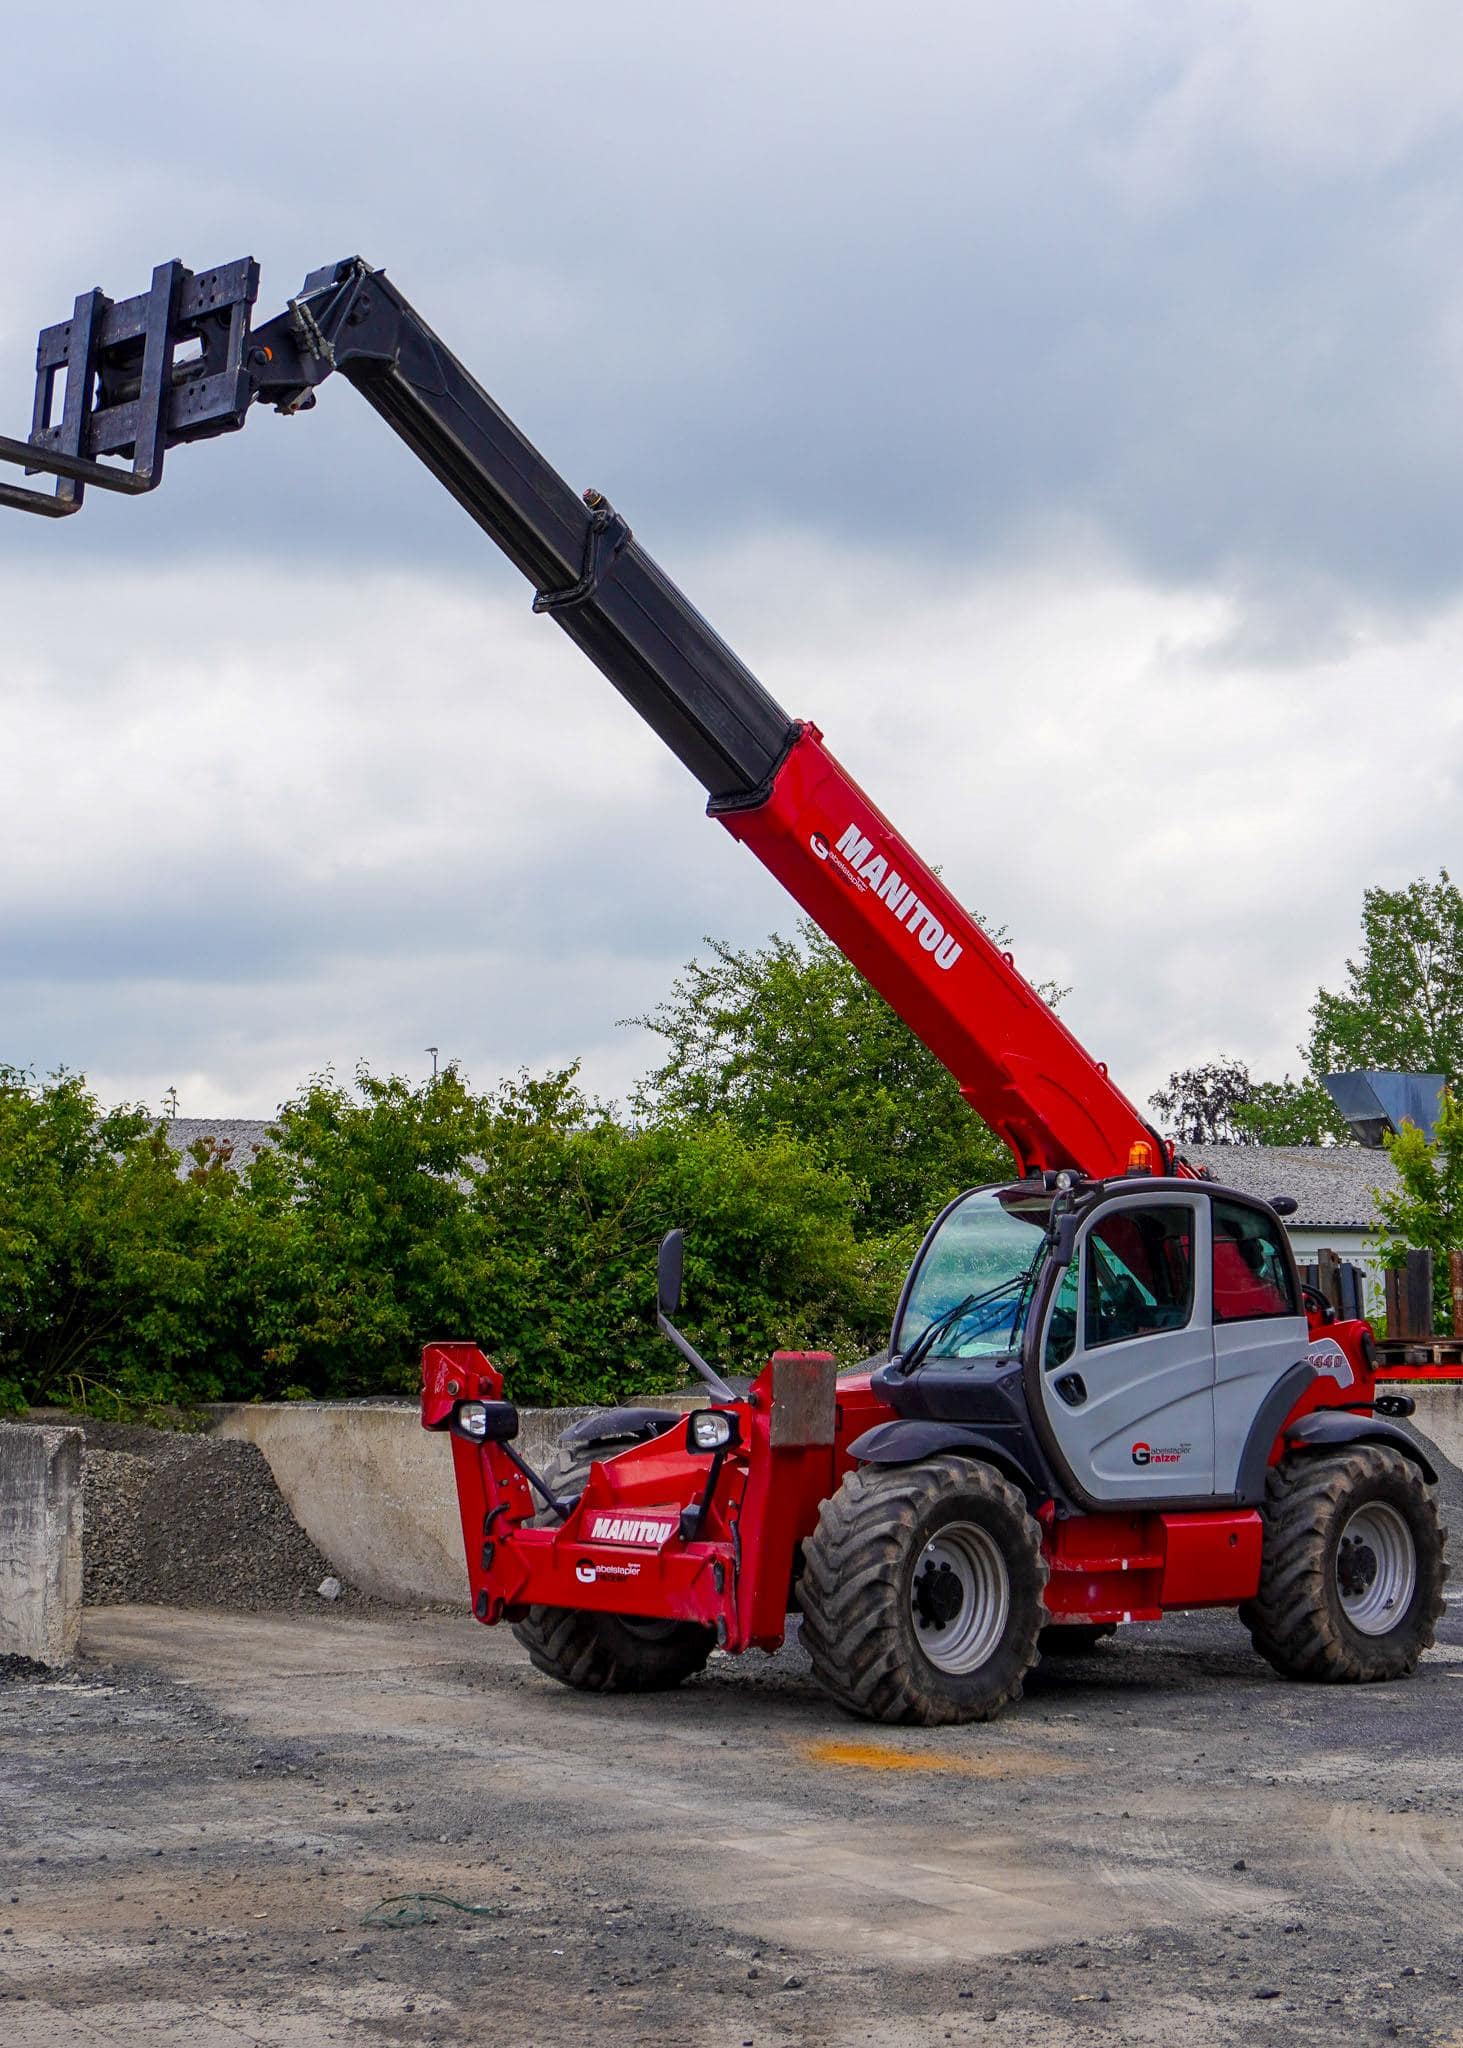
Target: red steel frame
{"points": [[1055, 1106], [1017, 1064]]}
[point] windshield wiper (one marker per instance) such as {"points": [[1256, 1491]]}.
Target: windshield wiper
{"points": [[925, 1342]]}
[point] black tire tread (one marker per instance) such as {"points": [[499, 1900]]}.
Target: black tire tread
{"points": [[1294, 1622], [849, 1594]]}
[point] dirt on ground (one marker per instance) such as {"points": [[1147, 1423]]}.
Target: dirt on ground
{"points": [[187, 1520], [312, 1828]]}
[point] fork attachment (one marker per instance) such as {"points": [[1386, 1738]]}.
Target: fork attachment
{"points": [[130, 378]]}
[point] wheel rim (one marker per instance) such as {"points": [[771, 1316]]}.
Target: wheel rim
{"points": [[960, 1596], [1376, 1568]]}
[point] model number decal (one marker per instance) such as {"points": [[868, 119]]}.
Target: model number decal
{"points": [[1326, 1356]]}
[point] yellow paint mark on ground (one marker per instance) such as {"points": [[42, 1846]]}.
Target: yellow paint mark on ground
{"points": [[885, 1756]]}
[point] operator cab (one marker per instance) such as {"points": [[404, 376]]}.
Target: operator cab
{"points": [[1132, 1333]]}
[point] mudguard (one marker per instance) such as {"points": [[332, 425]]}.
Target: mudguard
{"points": [[1325, 1429], [905, 1442]]}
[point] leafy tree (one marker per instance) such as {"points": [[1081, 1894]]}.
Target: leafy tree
{"points": [[1200, 1105], [1425, 1212], [111, 1278], [575, 1204], [528, 1218], [789, 1037], [357, 1246], [1220, 1104], [1290, 1113], [1402, 1006]]}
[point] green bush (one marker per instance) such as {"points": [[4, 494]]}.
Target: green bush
{"points": [[384, 1215], [113, 1270]]}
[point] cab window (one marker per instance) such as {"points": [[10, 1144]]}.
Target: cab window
{"points": [[1140, 1273], [1252, 1275], [1061, 1327]]}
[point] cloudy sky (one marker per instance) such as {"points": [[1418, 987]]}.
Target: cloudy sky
{"points": [[1061, 405]]}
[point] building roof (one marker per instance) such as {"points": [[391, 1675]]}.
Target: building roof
{"points": [[246, 1135], [1335, 1185]]}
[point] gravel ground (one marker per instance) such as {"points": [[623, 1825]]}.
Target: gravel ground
{"points": [[194, 1522], [186, 1520], [1162, 1843]]}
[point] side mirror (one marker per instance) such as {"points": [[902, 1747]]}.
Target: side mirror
{"points": [[668, 1271]]}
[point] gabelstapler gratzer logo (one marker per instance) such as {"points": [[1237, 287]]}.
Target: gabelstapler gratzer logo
{"points": [[1169, 1454], [858, 861]]}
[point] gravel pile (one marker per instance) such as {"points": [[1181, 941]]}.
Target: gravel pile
{"points": [[186, 1521]]}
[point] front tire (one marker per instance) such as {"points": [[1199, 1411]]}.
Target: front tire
{"points": [[1352, 1571], [606, 1652], [921, 1592]]}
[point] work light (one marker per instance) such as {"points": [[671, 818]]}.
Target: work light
{"points": [[710, 1430]]}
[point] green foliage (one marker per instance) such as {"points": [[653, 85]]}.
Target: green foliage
{"points": [[1219, 1104], [1425, 1212], [790, 1038], [1290, 1113], [110, 1281], [1402, 1007], [1200, 1105], [528, 1219]]}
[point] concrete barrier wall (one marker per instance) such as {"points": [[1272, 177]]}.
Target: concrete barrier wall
{"points": [[1439, 1414], [374, 1491], [40, 1542]]}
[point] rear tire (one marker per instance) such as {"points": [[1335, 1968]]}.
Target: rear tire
{"points": [[606, 1652], [1352, 1571], [921, 1592]]}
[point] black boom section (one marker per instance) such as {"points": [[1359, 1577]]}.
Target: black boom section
{"points": [[180, 362], [595, 580]]}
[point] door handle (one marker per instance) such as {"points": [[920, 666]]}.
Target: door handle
{"points": [[1072, 1388]]}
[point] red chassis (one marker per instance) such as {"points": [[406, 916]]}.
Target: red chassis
{"points": [[665, 1532]]}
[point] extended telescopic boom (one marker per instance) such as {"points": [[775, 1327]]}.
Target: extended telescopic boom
{"points": [[182, 362]]}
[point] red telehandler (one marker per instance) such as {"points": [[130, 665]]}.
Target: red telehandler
{"points": [[1106, 1392]]}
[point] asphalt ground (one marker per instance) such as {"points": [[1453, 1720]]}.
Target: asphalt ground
{"points": [[1161, 1844]]}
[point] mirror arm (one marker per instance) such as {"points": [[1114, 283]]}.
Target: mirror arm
{"points": [[693, 1357]]}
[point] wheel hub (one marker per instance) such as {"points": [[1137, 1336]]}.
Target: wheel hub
{"points": [[960, 1598], [1356, 1566], [937, 1594], [1376, 1568]]}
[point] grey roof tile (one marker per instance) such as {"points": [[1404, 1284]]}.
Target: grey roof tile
{"points": [[246, 1134], [1335, 1185]]}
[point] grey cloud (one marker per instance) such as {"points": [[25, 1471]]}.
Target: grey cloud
{"points": [[925, 282]]}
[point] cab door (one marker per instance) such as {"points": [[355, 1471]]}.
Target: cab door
{"points": [[1260, 1328], [1127, 1355]]}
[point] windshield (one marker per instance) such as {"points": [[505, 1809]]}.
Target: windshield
{"points": [[985, 1255]]}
